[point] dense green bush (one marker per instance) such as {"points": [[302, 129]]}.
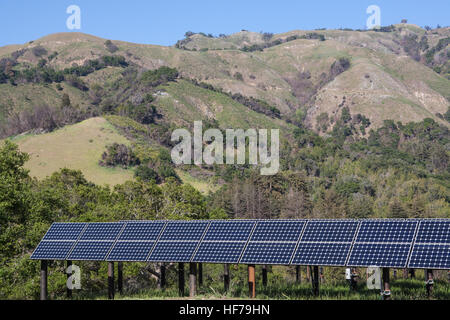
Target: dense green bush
{"points": [[159, 76], [119, 155]]}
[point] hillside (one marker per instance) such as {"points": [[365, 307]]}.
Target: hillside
{"points": [[387, 76], [78, 147]]}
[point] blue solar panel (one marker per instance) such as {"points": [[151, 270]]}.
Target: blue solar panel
{"points": [[131, 251], [184, 230], [64, 231], [278, 230], [383, 243], [330, 231], [387, 231], [52, 250], [219, 252], [321, 254], [430, 256], [90, 250], [142, 230], [102, 231], [229, 230], [379, 255], [173, 251], [268, 253], [434, 231]]}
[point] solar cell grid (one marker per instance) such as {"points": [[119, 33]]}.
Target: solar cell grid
{"points": [[229, 230], [434, 231], [219, 252], [173, 251], [430, 256], [268, 253], [90, 250], [184, 230], [326, 254], [330, 231], [380, 255], [285, 231], [102, 231], [131, 251], [52, 250], [64, 231], [146, 230], [387, 231]]}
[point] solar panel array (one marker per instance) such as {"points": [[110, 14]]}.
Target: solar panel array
{"points": [[392, 243]]}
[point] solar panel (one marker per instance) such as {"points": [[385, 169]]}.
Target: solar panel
{"points": [[430, 256], [142, 230], [392, 255], [229, 230], [64, 231], [178, 241], [330, 231], [184, 230], [224, 241], [58, 241], [173, 251], [52, 250], [268, 253], [325, 242], [219, 252], [136, 241], [387, 231], [383, 243], [273, 242], [102, 231], [434, 231], [278, 230], [431, 249], [321, 254], [90, 250], [130, 251]]}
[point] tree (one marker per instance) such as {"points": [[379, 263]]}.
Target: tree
{"points": [[13, 184], [65, 101], [147, 174], [404, 20], [396, 210]]}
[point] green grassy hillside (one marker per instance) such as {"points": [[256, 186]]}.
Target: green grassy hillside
{"points": [[381, 78], [77, 147]]}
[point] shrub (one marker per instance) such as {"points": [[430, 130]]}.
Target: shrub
{"points": [[238, 76], [65, 101], [76, 82], [159, 76], [39, 51], [267, 36], [118, 155], [147, 174], [111, 47]]}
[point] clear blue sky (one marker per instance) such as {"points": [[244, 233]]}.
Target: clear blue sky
{"points": [[165, 21]]}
